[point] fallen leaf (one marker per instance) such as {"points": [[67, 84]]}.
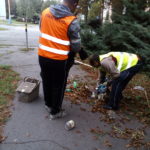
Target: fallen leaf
{"points": [[107, 143]]}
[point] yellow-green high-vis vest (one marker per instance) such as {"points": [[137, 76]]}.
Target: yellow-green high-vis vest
{"points": [[124, 60]]}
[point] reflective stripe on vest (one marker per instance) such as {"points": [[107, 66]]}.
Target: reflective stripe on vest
{"points": [[52, 50], [120, 62], [54, 39], [54, 42], [124, 60]]}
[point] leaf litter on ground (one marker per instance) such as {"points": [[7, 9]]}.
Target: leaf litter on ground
{"points": [[134, 105]]}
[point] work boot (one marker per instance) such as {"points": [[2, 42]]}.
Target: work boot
{"points": [[60, 114], [48, 109]]}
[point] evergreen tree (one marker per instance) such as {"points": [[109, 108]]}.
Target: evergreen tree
{"points": [[129, 32]]}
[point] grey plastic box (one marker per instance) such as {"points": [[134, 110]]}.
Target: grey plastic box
{"points": [[28, 90]]}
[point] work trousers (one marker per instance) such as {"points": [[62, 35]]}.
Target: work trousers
{"points": [[119, 84], [53, 76], [69, 64]]}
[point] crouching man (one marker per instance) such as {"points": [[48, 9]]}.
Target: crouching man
{"points": [[121, 66]]}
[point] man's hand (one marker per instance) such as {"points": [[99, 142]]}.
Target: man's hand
{"points": [[83, 54]]}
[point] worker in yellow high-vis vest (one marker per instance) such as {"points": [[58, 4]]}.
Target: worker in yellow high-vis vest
{"points": [[121, 66]]}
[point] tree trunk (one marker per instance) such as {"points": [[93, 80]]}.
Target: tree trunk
{"points": [[84, 4], [117, 8], [101, 11]]}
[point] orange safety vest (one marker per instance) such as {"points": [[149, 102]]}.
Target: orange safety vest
{"points": [[54, 42]]}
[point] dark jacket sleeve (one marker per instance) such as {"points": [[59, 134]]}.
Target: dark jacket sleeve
{"points": [[74, 36], [102, 76]]}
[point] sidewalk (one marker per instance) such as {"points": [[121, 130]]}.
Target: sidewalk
{"points": [[29, 121]]}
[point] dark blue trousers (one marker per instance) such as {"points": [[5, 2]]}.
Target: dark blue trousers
{"points": [[53, 75], [119, 84]]}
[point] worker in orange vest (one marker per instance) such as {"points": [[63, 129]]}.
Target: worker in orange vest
{"points": [[59, 37]]}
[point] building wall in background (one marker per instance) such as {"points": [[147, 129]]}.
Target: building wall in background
{"points": [[2, 10]]}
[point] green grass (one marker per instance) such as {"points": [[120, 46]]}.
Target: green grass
{"points": [[8, 84], [26, 50], [14, 23], [5, 45], [7, 53], [1, 55], [3, 29], [18, 23], [10, 52], [2, 101], [5, 67]]}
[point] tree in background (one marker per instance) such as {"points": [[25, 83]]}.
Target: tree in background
{"points": [[22, 8], [117, 8], [84, 7], [95, 10], [13, 8], [49, 3], [34, 10], [129, 30], [31, 9]]}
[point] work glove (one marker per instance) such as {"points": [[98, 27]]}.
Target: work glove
{"points": [[109, 82], [83, 54]]}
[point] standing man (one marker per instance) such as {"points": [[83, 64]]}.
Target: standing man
{"points": [[59, 37], [121, 66]]}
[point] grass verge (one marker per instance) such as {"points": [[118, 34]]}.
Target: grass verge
{"points": [[8, 83], [3, 29], [14, 23], [26, 50], [5, 45]]}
